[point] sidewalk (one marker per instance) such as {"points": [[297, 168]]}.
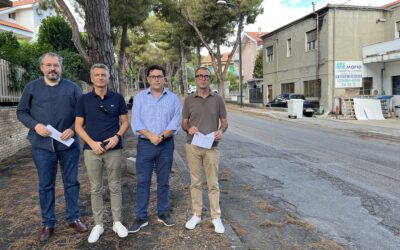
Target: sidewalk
{"points": [[384, 129], [20, 220]]}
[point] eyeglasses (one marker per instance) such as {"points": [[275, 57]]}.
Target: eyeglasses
{"points": [[205, 77], [156, 77], [49, 65], [102, 108]]}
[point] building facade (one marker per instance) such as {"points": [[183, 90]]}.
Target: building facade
{"points": [[251, 45], [321, 55], [23, 18]]}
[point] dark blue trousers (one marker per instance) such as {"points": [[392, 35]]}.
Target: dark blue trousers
{"points": [[46, 163], [148, 158]]}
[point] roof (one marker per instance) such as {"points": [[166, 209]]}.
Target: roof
{"points": [[14, 25], [23, 2], [320, 12], [391, 4], [224, 58], [256, 35], [17, 4]]}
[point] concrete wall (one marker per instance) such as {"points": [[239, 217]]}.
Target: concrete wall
{"points": [[391, 17], [12, 133], [297, 68]]}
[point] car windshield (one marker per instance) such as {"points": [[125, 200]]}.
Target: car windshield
{"points": [[296, 97]]}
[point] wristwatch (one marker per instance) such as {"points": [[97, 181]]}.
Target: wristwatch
{"points": [[163, 137], [119, 137]]}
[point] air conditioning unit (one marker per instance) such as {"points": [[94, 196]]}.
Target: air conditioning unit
{"points": [[374, 92]]}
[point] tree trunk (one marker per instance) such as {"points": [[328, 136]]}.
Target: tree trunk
{"points": [[144, 78], [137, 79], [180, 81], [75, 30], [122, 60], [219, 76], [100, 47], [198, 56], [169, 71], [184, 70]]}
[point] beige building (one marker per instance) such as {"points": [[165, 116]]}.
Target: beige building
{"points": [[251, 45], [325, 54]]}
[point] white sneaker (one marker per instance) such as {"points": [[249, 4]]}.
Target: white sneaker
{"points": [[218, 227], [120, 229], [191, 224], [95, 234]]}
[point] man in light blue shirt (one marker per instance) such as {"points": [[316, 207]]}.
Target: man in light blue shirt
{"points": [[156, 118]]}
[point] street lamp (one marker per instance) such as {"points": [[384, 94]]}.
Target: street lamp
{"points": [[240, 45]]}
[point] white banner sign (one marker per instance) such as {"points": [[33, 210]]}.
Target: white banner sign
{"points": [[348, 74]]}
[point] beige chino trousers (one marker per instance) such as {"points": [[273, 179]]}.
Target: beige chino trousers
{"points": [[111, 161], [207, 160]]}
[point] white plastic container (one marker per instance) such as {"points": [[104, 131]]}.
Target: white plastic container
{"points": [[295, 107], [397, 110]]}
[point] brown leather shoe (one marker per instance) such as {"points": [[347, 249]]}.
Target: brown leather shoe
{"points": [[46, 233], [78, 226]]}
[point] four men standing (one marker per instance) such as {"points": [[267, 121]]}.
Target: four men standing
{"points": [[101, 121]]}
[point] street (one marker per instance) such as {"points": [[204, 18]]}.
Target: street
{"points": [[286, 184]]}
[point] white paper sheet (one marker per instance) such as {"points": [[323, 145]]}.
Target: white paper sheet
{"points": [[203, 141], [55, 134]]}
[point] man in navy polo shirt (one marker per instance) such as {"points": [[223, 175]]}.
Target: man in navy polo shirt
{"points": [[101, 121]]}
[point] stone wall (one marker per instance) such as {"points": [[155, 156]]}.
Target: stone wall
{"points": [[12, 133]]}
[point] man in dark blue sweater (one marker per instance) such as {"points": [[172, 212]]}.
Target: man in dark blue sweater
{"points": [[51, 101]]}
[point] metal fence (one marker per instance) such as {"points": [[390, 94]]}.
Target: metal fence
{"points": [[256, 95], [7, 94]]}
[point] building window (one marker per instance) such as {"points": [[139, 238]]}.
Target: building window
{"points": [[398, 29], [287, 88], [270, 54], [11, 15], [312, 88], [311, 39], [366, 86], [395, 85], [289, 47]]}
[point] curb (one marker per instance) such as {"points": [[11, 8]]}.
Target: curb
{"points": [[229, 232], [359, 131]]}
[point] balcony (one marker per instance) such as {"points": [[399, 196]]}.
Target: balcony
{"points": [[382, 52]]}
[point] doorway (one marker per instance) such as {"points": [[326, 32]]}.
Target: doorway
{"points": [[395, 85]]}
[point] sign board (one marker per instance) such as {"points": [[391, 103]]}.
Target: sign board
{"points": [[348, 74]]}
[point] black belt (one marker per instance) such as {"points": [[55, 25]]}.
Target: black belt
{"points": [[145, 139]]}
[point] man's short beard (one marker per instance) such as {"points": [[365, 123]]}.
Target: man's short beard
{"points": [[53, 77]]}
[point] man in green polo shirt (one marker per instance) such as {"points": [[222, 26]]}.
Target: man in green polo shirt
{"points": [[204, 111]]}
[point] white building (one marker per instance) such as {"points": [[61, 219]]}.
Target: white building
{"points": [[23, 18]]}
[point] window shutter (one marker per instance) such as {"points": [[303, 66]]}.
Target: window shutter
{"points": [[312, 35]]}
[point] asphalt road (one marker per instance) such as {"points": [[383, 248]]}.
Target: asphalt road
{"points": [[344, 186]]}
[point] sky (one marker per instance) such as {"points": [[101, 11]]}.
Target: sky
{"points": [[277, 13]]}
